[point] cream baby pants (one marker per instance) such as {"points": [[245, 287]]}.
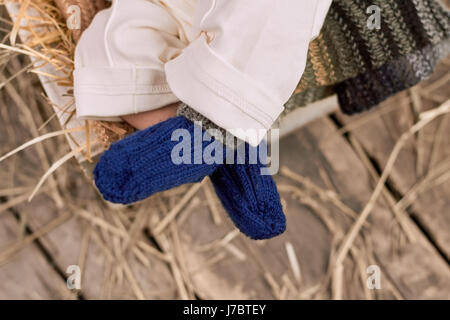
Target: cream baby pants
{"points": [[234, 61]]}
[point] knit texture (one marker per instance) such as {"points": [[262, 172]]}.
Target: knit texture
{"points": [[141, 164], [229, 140], [354, 62], [347, 47], [373, 87], [251, 199]]}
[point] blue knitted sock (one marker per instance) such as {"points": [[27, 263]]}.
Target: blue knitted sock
{"points": [[251, 199], [141, 164]]}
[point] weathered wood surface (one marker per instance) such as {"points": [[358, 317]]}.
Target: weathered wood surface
{"points": [[27, 275], [77, 243], [424, 163]]}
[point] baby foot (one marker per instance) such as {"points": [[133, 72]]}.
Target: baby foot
{"points": [[251, 199]]}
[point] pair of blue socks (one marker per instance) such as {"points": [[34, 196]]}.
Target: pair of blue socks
{"points": [[172, 153]]}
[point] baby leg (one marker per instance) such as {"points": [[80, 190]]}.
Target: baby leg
{"points": [[140, 165]]}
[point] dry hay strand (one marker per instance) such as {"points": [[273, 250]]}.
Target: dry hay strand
{"points": [[48, 41], [347, 243]]}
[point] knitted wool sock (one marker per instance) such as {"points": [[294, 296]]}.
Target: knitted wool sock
{"points": [[251, 199], [141, 164]]}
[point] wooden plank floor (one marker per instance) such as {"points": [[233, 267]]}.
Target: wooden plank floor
{"points": [[326, 180], [428, 153]]}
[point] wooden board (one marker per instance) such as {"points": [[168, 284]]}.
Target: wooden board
{"points": [[65, 246], [427, 150]]}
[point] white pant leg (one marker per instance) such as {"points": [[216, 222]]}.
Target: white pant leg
{"points": [[247, 62], [119, 61]]}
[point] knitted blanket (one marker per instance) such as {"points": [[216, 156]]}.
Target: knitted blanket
{"points": [[363, 66]]}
